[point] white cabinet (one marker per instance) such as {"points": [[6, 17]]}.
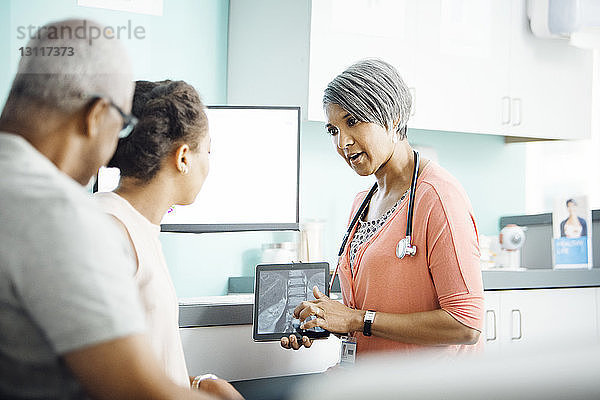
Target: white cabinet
{"points": [[462, 65], [472, 65], [491, 320], [518, 319], [481, 70], [551, 84], [230, 353], [345, 31], [598, 312]]}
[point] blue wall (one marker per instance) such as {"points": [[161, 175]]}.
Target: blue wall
{"points": [[188, 42]]}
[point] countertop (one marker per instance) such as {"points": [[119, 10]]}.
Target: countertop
{"points": [[276, 388], [237, 309], [540, 278]]}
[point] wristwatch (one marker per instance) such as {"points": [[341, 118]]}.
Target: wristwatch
{"points": [[368, 321]]}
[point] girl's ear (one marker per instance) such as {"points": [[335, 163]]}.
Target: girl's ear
{"points": [[182, 161]]}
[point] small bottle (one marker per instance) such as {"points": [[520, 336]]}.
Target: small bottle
{"points": [[279, 253], [311, 238]]}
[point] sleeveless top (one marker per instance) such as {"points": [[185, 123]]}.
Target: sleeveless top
{"points": [[155, 286]]}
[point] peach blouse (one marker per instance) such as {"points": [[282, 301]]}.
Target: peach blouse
{"points": [[443, 274]]}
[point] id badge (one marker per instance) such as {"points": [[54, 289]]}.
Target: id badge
{"points": [[348, 351]]}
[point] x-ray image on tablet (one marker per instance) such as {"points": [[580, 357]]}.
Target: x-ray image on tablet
{"points": [[279, 289]]}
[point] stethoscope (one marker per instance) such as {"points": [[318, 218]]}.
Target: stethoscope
{"points": [[404, 246]]}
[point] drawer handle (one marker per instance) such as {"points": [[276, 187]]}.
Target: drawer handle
{"points": [[516, 106], [517, 334], [490, 321], [505, 110]]}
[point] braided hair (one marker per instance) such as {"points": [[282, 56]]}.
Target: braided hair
{"points": [[170, 114]]}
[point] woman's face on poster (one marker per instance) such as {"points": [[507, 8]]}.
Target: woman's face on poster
{"points": [[572, 208]]}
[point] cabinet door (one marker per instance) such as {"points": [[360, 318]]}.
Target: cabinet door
{"points": [[462, 65], [491, 332], [345, 31], [598, 314], [542, 317], [550, 84]]}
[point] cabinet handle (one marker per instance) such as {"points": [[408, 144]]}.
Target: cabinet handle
{"points": [[505, 110], [413, 106], [516, 111], [491, 321], [517, 334]]}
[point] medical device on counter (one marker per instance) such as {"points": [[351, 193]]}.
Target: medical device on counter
{"points": [[511, 239]]}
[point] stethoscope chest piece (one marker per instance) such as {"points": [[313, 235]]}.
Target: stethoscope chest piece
{"points": [[404, 248]]}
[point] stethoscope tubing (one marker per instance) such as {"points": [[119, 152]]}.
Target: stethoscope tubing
{"points": [[411, 198], [367, 200], [360, 211]]}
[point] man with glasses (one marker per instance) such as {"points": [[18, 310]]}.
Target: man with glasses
{"points": [[129, 121], [71, 325]]}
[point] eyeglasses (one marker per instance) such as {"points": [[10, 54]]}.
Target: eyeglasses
{"points": [[129, 121]]}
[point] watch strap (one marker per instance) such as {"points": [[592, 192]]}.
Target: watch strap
{"points": [[368, 322]]}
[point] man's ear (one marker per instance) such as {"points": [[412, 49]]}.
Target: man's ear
{"points": [[396, 124], [93, 118]]}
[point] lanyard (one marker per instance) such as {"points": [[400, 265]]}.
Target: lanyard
{"points": [[360, 211], [337, 267]]}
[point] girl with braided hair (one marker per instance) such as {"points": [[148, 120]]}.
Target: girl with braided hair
{"points": [[163, 162]]}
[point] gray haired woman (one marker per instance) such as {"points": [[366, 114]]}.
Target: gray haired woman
{"points": [[399, 294]]}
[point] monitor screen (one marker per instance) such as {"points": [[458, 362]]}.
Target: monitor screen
{"points": [[254, 173]]}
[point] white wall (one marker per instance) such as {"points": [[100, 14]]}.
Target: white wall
{"points": [[565, 168]]}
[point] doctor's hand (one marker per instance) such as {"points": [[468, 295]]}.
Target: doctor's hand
{"points": [[293, 343], [330, 314]]}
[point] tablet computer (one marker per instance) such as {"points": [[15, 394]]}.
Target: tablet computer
{"points": [[278, 290]]}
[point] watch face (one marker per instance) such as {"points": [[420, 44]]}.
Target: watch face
{"points": [[401, 248], [369, 316]]}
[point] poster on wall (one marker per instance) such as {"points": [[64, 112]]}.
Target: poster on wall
{"points": [[572, 233], [152, 7]]}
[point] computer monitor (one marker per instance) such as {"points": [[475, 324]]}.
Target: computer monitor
{"points": [[253, 183]]}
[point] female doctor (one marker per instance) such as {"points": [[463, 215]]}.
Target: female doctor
{"points": [[409, 264]]}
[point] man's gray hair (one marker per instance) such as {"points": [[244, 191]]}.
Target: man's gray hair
{"points": [[371, 90], [96, 66]]}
